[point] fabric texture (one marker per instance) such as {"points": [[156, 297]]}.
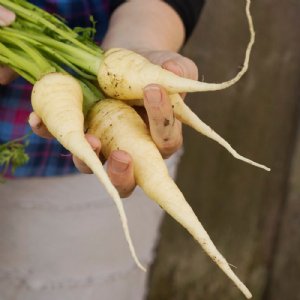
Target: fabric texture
{"points": [[70, 245], [62, 239], [65, 242], [47, 157]]}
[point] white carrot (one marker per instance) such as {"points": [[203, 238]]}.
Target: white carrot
{"points": [[188, 117], [123, 73], [57, 100], [119, 127]]}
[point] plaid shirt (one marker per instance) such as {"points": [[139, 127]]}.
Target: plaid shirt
{"points": [[47, 157]]}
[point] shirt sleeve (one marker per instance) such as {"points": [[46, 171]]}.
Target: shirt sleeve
{"points": [[188, 10]]}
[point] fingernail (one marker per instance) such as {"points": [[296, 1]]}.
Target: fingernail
{"points": [[34, 122], [119, 166], [6, 17], [153, 95], [94, 142]]}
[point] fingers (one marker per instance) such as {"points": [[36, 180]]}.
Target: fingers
{"points": [[6, 75], [165, 129], [38, 127], [6, 16], [182, 66], [96, 146], [119, 167], [173, 62], [120, 172]]}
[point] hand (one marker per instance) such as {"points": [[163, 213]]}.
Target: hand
{"points": [[165, 129], [6, 74], [158, 113]]}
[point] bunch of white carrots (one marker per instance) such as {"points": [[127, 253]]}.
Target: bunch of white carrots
{"points": [[41, 47]]}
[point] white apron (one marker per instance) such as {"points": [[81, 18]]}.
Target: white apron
{"points": [[61, 239]]}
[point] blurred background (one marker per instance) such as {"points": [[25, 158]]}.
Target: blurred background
{"points": [[252, 216]]}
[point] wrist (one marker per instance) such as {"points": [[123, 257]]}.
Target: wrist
{"points": [[144, 24]]}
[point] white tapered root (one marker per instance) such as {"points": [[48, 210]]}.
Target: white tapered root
{"points": [[184, 114], [181, 211], [120, 127], [123, 74], [57, 100]]}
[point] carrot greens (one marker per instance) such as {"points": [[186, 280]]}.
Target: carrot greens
{"points": [[13, 155]]}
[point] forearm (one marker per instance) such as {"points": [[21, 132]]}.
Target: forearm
{"points": [[145, 24]]}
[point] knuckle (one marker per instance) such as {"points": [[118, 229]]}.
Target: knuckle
{"points": [[8, 16], [188, 67], [124, 192], [124, 186], [191, 69]]}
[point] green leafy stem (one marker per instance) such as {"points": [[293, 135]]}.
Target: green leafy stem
{"points": [[38, 43], [13, 155]]}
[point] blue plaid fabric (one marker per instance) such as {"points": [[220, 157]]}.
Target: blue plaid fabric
{"points": [[47, 157]]}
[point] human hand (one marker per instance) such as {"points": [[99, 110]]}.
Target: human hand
{"points": [[158, 113], [164, 127], [6, 74]]}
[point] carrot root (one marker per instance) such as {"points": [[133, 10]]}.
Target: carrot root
{"points": [[57, 100], [120, 127], [123, 74], [188, 117]]}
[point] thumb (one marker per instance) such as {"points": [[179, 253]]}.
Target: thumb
{"points": [[6, 16]]}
